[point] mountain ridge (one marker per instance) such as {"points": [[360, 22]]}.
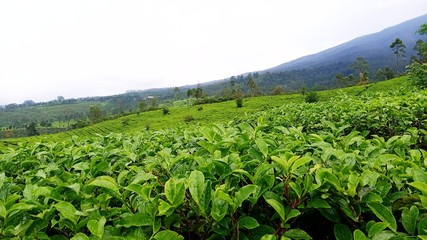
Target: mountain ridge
{"points": [[379, 41]]}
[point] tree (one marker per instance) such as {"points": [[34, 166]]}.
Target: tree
{"points": [[44, 123], [388, 72], [95, 114], [418, 74], [233, 84], [190, 92], [142, 106], [31, 129], [28, 103], [60, 98], [363, 78], [422, 29], [399, 49], [165, 110], [418, 47], [379, 75], [239, 99], [253, 88], [198, 93], [340, 80], [350, 79], [303, 89], [312, 97], [278, 90], [177, 93], [361, 66], [418, 71], [153, 103]]}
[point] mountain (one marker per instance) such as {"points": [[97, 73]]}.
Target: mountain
{"points": [[319, 70], [375, 48]]}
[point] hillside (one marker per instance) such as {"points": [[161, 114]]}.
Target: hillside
{"points": [[204, 114], [375, 48], [351, 166], [319, 70], [315, 71]]}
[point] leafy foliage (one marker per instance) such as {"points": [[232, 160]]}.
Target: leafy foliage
{"points": [[356, 164]]}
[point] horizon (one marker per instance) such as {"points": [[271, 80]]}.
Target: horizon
{"points": [[63, 53]]}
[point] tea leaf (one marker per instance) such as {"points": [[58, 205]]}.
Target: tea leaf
{"points": [[297, 234], [96, 227], [262, 146], [175, 191], [196, 184], [135, 220], [342, 232], [409, 219], [274, 200], [67, 210], [244, 194], [168, 234], [248, 222], [384, 214]]}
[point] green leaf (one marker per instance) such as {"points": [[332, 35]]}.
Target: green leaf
{"points": [[3, 211], [409, 219], [143, 191], [331, 214], [297, 188], [2, 179], [420, 186], [96, 227], [281, 162], [377, 228], [165, 208], [342, 232], [135, 220], [219, 209], [168, 235], [67, 210], [359, 235], [353, 182], [293, 214], [80, 236], [318, 203], [369, 178], [22, 228], [196, 185], [244, 194], [175, 191], [384, 214], [324, 175], [300, 162], [19, 207], [422, 226], [268, 237], [274, 200], [248, 222], [262, 146], [297, 234], [107, 183]]}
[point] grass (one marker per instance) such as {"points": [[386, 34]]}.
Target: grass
{"points": [[211, 113]]}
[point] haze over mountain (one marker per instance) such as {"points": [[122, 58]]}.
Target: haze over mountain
{"points": [[320, 69], [375, 48]]}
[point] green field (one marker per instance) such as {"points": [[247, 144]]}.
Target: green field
{"points": [[351, 166], [211, 113]]}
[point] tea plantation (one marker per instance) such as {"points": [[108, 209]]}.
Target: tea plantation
{"points": [[348, 167]]}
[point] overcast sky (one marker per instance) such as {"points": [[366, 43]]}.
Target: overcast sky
{"points": [[99, 47]]}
